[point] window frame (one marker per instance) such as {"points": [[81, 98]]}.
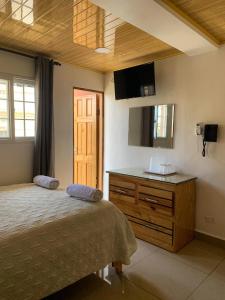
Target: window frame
{"points": [[12, 138], [24, 81], [8, 78]]}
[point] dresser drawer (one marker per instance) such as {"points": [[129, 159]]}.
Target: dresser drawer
{"points": [[128, 206], [125, 204], [154, 217], [150, 225], [121, 191], [153, 236], [121, 183], [156, 200], [157, 214], [155, 209], [121, 198], [155, 192]]}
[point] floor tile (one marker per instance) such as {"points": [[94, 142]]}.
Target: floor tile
{"points": [[127, 289], [199, 255], [220, 271], [144, 249], [211, 289], [165, 277]]}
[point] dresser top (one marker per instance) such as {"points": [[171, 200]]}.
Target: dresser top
{"points": [[139, 172]]}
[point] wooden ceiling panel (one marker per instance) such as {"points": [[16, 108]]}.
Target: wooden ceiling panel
{"points": [[51, 27], [70, 30], [209, 14]]}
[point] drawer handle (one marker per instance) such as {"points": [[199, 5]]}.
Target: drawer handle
{"points": [[151, 200], [120, 191]]}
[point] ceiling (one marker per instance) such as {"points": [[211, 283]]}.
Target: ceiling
{"points": [[209, 14], [71, 30]]}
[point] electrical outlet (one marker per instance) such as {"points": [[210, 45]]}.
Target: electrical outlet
{"points": [[209, 219]]}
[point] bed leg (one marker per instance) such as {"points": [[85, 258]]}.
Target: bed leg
{"points": [[118, 266]]}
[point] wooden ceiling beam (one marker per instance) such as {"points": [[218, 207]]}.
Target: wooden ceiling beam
{"points": [[184, 17]]}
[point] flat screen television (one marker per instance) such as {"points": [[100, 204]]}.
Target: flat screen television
{"points": [[135, 82]]}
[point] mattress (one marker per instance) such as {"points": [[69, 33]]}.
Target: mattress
{"points": [[49, 240]]}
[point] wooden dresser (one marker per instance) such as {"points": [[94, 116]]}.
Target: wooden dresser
{"points": [[160, 209]]}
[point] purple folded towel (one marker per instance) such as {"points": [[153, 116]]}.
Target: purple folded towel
{"points": [[46, 182], [84, 192]]}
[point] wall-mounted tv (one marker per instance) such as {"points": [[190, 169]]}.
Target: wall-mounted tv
{"points": [[135, 82]]}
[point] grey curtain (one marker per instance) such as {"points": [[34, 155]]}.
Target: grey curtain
{"points": [[43, 149], [147, 137]]}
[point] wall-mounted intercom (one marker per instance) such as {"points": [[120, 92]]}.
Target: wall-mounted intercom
{"points": [[208, 133]]}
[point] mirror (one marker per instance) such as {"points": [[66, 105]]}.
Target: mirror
{"points": [[151, 126]]}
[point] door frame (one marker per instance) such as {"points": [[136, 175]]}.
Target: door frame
{"points": [[100, 126]]}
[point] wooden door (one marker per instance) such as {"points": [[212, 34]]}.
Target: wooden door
{"points": [[85, 140]]}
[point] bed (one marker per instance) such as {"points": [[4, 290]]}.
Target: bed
{"points": [[49, 240]]}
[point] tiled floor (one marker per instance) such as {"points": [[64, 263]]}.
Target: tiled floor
{"points": [[197, 272]]}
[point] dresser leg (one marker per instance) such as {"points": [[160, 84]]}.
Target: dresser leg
{"points": [[118, 266]]}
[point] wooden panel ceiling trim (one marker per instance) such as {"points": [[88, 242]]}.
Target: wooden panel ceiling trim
{"points": [[175, 10], [209, 14]]}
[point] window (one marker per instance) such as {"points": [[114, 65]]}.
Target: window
{"points": [[22, 10], [24, 109], [161, 121], [4, 108], [17, 109], [3, 4]]}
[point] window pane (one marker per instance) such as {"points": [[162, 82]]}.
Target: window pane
{"points": [[24, 104], [16, 10], [18, 91], [3, 89], [22, 10], [29, 19], [19, 110], [30, 128], [29, 110], [3, 4], [4, 128], [29, 92], [26, 11], [29, 3], [4, 109], [19, 128], [161, 121]]}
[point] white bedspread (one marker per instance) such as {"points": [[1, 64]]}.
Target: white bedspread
{"points": [[49, 240]]}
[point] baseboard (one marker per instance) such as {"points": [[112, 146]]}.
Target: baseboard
{"points": [[210, 239]]}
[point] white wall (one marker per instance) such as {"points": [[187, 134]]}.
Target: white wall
{"points": [[16, 158], [65, 78], [197, 86], [16, 65]]}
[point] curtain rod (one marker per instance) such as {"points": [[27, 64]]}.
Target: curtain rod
{"points": [[24, 54]]}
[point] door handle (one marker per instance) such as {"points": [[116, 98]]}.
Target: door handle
{"points": [[151, 200], [120, 191]]}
